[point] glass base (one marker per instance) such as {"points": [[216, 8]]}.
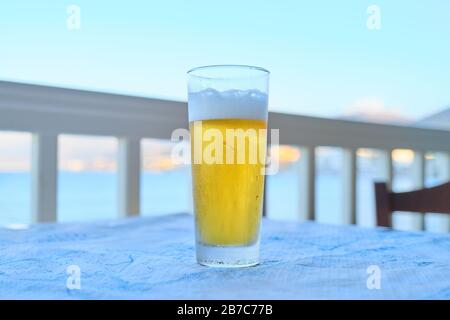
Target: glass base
{"points": [[228, 256]]}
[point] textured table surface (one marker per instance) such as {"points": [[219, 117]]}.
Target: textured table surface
{"points": [[153, 258]]}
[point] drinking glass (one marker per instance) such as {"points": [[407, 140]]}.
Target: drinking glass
{"points": [[227, 106]]}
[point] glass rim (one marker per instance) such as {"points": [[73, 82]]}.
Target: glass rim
{"points": [[260, 72]]}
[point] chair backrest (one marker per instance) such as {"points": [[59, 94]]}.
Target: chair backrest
{"points": [[436, 200]]}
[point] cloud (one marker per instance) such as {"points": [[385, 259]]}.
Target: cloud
{"points": [[374, 110]]}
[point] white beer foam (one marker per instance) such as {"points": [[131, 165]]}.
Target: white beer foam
{"points": [[231, 104]]}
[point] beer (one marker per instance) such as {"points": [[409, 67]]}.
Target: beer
{"points": [[228, 127], [228, 197]]}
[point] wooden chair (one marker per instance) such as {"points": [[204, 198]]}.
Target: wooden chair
{"points": [[436, 200]]}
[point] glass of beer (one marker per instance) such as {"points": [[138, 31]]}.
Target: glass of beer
{"points": [[227, 106]]}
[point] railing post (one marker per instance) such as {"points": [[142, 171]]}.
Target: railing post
{"points": [[129, 170], [386, 174], [349, 186], [418, 166], [44, 171], [387, 167], [444, 166], [307, 173]]}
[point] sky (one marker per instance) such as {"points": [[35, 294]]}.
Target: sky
{"points": [[323, 58]]}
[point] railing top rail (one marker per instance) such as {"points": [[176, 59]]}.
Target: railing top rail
{"points": [[38, 108]]}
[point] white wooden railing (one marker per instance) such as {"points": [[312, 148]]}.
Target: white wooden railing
{"points": [[47, 112]]}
